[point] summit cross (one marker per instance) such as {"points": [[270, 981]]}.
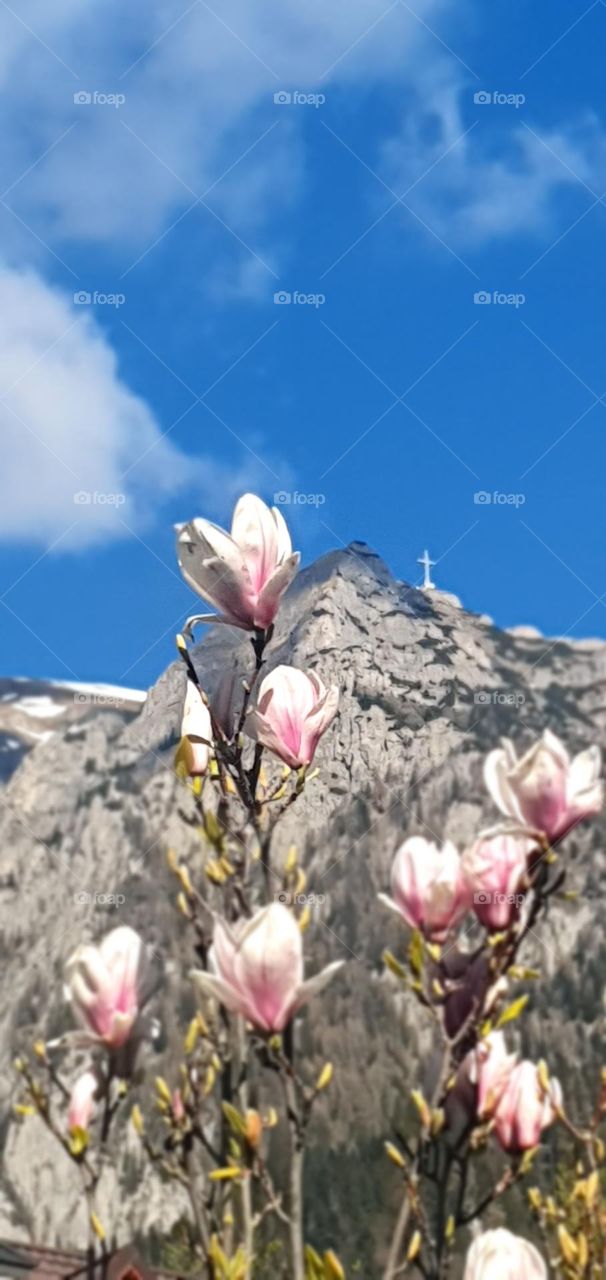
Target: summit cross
{"points": [[428, 585]]}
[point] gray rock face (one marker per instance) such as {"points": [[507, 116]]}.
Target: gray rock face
{"points": [[31, 711], [427, 689]]}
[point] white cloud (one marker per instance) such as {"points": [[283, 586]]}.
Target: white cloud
{"points": [[77, 447], [499, 179], [199, 92]]}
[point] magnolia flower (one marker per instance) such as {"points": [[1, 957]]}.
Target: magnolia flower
{"points": [[525, 1108], [257, 968], [196, 730], [499, 1255], [545, 790], [490, 1067], [495, 871], [293, 710], [104, 984], [243, 574], [82, 1101], [428, 887]]}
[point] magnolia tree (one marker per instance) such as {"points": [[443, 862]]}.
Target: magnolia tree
{"points": [[246, 755]]}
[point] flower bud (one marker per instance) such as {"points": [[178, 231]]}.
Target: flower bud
{"points": [[104, 985], [256, 968], [525, 1109], [82, 1101], [428, 888], [196, 731], [490, 1068], [293, 710], [495, 872]]}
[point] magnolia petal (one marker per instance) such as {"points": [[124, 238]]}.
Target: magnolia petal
{"points": [[324, 713], [510, 752], [500, 1255], [258, 728], [123, 952], [273, 589], [213, 567], [268, 965], [208, 984], [428, 886], [584, 771], [215, 543], [293, 709], [254, 531], [389, 902], [196, 731], [284, 541], [223, 588], [587, 804], [318, 685], [556, 747], [85, 969], [105, 985], [496, 767], [312, 986]]}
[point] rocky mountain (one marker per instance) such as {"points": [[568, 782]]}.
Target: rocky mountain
{"points": [[31, 711], [88, 816]]}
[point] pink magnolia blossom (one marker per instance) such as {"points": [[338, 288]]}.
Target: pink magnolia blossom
{"points": [[545, 790], [82, 1101], [257, 968], [177, 1107], [499, 1255], [196, 730], [428, 887], [495, 871], [104, 986], [293, 710], [490, 1067], [243, 574], [525, 1109]]}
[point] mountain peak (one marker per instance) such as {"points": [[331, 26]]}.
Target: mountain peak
{"points": [[426, 689], [355, 558]]}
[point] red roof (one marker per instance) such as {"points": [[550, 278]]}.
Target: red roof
{"points": [[37, 1262]]}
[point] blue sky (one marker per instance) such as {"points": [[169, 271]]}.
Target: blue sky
{"points": [[180, 197]]}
